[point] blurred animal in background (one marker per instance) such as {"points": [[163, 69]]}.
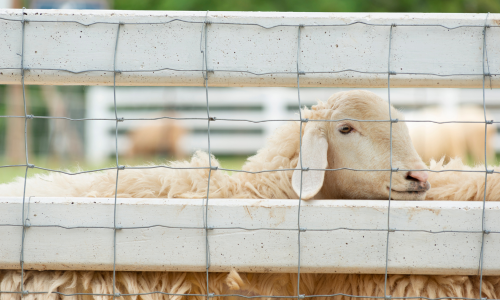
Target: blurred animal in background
{"points": [[451, 140], [159, 137]]}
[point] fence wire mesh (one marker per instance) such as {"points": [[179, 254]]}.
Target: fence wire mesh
{"points": [[204, 40]]}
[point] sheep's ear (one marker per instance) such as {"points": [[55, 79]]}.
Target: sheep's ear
{"points": [[314, 156]]}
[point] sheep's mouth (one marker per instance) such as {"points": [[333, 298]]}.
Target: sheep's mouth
{"points": [[411, 193], [414, 188]]}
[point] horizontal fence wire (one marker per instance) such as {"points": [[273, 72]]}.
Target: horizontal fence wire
{"points": [[204, 37], [242, 296], [490, 171], [213, 119], [119, 227]]}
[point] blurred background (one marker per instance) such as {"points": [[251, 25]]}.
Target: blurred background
{"points": [[83, 145]]}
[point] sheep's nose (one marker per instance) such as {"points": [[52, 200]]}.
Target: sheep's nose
{"points": [[421, 176]]}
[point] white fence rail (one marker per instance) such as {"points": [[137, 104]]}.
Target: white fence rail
{"points": [[163, 48], [251, 235]]}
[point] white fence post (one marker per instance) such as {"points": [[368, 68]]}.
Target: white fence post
{"points": [[97, 138], [275, 108]]}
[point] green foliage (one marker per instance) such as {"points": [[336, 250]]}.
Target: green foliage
{"points": [[445, 6], [39, 127]]}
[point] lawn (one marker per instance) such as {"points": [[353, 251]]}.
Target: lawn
{"points": [[7, 174]]}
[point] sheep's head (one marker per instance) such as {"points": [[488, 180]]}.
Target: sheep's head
{"points": [[358, 145]]}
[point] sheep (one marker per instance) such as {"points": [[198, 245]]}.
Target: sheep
{"points": [[337, 144], [432, 141], [362, 145], [160, 136]]}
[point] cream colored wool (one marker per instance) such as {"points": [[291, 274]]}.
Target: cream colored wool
{"points": [[72, 282], [366, 285], [366, 147], [453, 140], [462, 186]]}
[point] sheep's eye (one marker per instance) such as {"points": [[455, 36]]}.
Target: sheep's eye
{"points": [[345, 129]]}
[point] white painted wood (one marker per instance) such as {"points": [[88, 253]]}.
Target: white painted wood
{"points": [[176, 45], [6, 3], [174, 249]]}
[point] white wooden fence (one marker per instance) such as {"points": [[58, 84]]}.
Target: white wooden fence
{"points": [[242, 52], [340, 236], [234, 49]]}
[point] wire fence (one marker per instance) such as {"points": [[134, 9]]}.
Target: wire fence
{"points": [[204, 40]]}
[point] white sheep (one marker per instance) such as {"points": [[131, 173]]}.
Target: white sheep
{"points": [[339, 144], [452, 140]]}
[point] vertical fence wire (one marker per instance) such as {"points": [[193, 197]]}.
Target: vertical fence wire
{"points": [[301, 165], [115, 294], [209, 119], [483, 225], [23, 23], [390, 162]]}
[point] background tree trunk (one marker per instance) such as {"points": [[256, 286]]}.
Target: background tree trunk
{"points": [[15, 149]]}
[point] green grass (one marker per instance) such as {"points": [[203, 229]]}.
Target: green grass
{"points": [[232, 162], [470, 162], [9, 173]]}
